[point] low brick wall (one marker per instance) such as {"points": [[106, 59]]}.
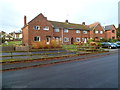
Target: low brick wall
{"points": [[22, 48], [8, 48]]}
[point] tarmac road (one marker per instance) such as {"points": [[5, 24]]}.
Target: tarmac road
{"points": [[100, 72]]}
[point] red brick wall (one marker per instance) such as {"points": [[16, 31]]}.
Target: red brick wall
{"points": [[109, 34], [59, 34], [98, 28], [74, 35], [40, 21], [29, 33], [25, 33], [113, 34]]}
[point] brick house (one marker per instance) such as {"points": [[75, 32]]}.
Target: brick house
{"points": [[16, 35], [40, 29], [97, 31], [110, 32]]}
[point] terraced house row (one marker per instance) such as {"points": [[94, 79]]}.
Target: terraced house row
{"points": [[41, 29]]}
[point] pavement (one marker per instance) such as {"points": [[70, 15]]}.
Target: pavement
{"points": [[99, 72], [21, 65]]}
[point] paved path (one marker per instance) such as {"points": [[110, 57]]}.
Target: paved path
{"points": [[99, 72]]}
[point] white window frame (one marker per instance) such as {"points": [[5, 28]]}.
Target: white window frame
{"points": [[65, 30], [66, 39], [84, 32], [113, 30], [38, 37], [96, 31], [101, 32], [56, 30], [36, 27], [77, 31], [83, 39], [45, 28], [101, 38], [77, 39]]}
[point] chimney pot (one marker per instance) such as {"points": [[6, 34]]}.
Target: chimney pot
{"points": [[66, 21], [25, 20], [83, 23]]}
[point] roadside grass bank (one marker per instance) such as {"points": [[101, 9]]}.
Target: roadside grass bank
{"points": [[10, 43], [26, 56], [35, 54], [23, 65], [49, 57]]}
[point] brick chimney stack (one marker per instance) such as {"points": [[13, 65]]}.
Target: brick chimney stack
{"points": [[67, 21], [25, 21], [83, 23]]}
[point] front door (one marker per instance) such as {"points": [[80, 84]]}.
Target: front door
{"points": [[47, 40], [72, 40]]}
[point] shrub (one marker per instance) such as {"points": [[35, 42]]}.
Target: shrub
{"points": [[35, 45], [78, 43], [114, 40], [44, 45], [93, 44], [90, 40], [103, 40], [39, 45], [55, 44]]}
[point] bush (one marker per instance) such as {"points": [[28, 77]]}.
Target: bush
{"points": [[103, 40], [39, 45], [44, 45], [93, 44], [90, 40], [78, 43], [114, 40], [55, 44]]}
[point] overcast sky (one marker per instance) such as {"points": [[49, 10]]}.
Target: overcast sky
{"points": [[76, 11]]}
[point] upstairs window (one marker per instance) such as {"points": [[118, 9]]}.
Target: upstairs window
{"points": [[101, 32], [37, 38], [96, 32], [56, 30], [77, 31], [84, 32], [46, 28], [36, 27], [66, 30], [113, 31]]}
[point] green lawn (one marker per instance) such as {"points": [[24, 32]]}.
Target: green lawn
{"points": [[70, 47], [10, 43]]}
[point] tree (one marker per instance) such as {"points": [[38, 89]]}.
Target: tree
{"points": [[118, 31]]}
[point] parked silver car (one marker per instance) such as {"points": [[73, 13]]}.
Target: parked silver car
{"points": [[108, 45]]}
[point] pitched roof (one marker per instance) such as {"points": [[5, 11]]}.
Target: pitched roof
{"points": [[68, 25], [108, 27], [92, 26], [63, 24]]}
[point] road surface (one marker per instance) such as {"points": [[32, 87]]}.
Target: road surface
{"points": [[99, 72]]}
